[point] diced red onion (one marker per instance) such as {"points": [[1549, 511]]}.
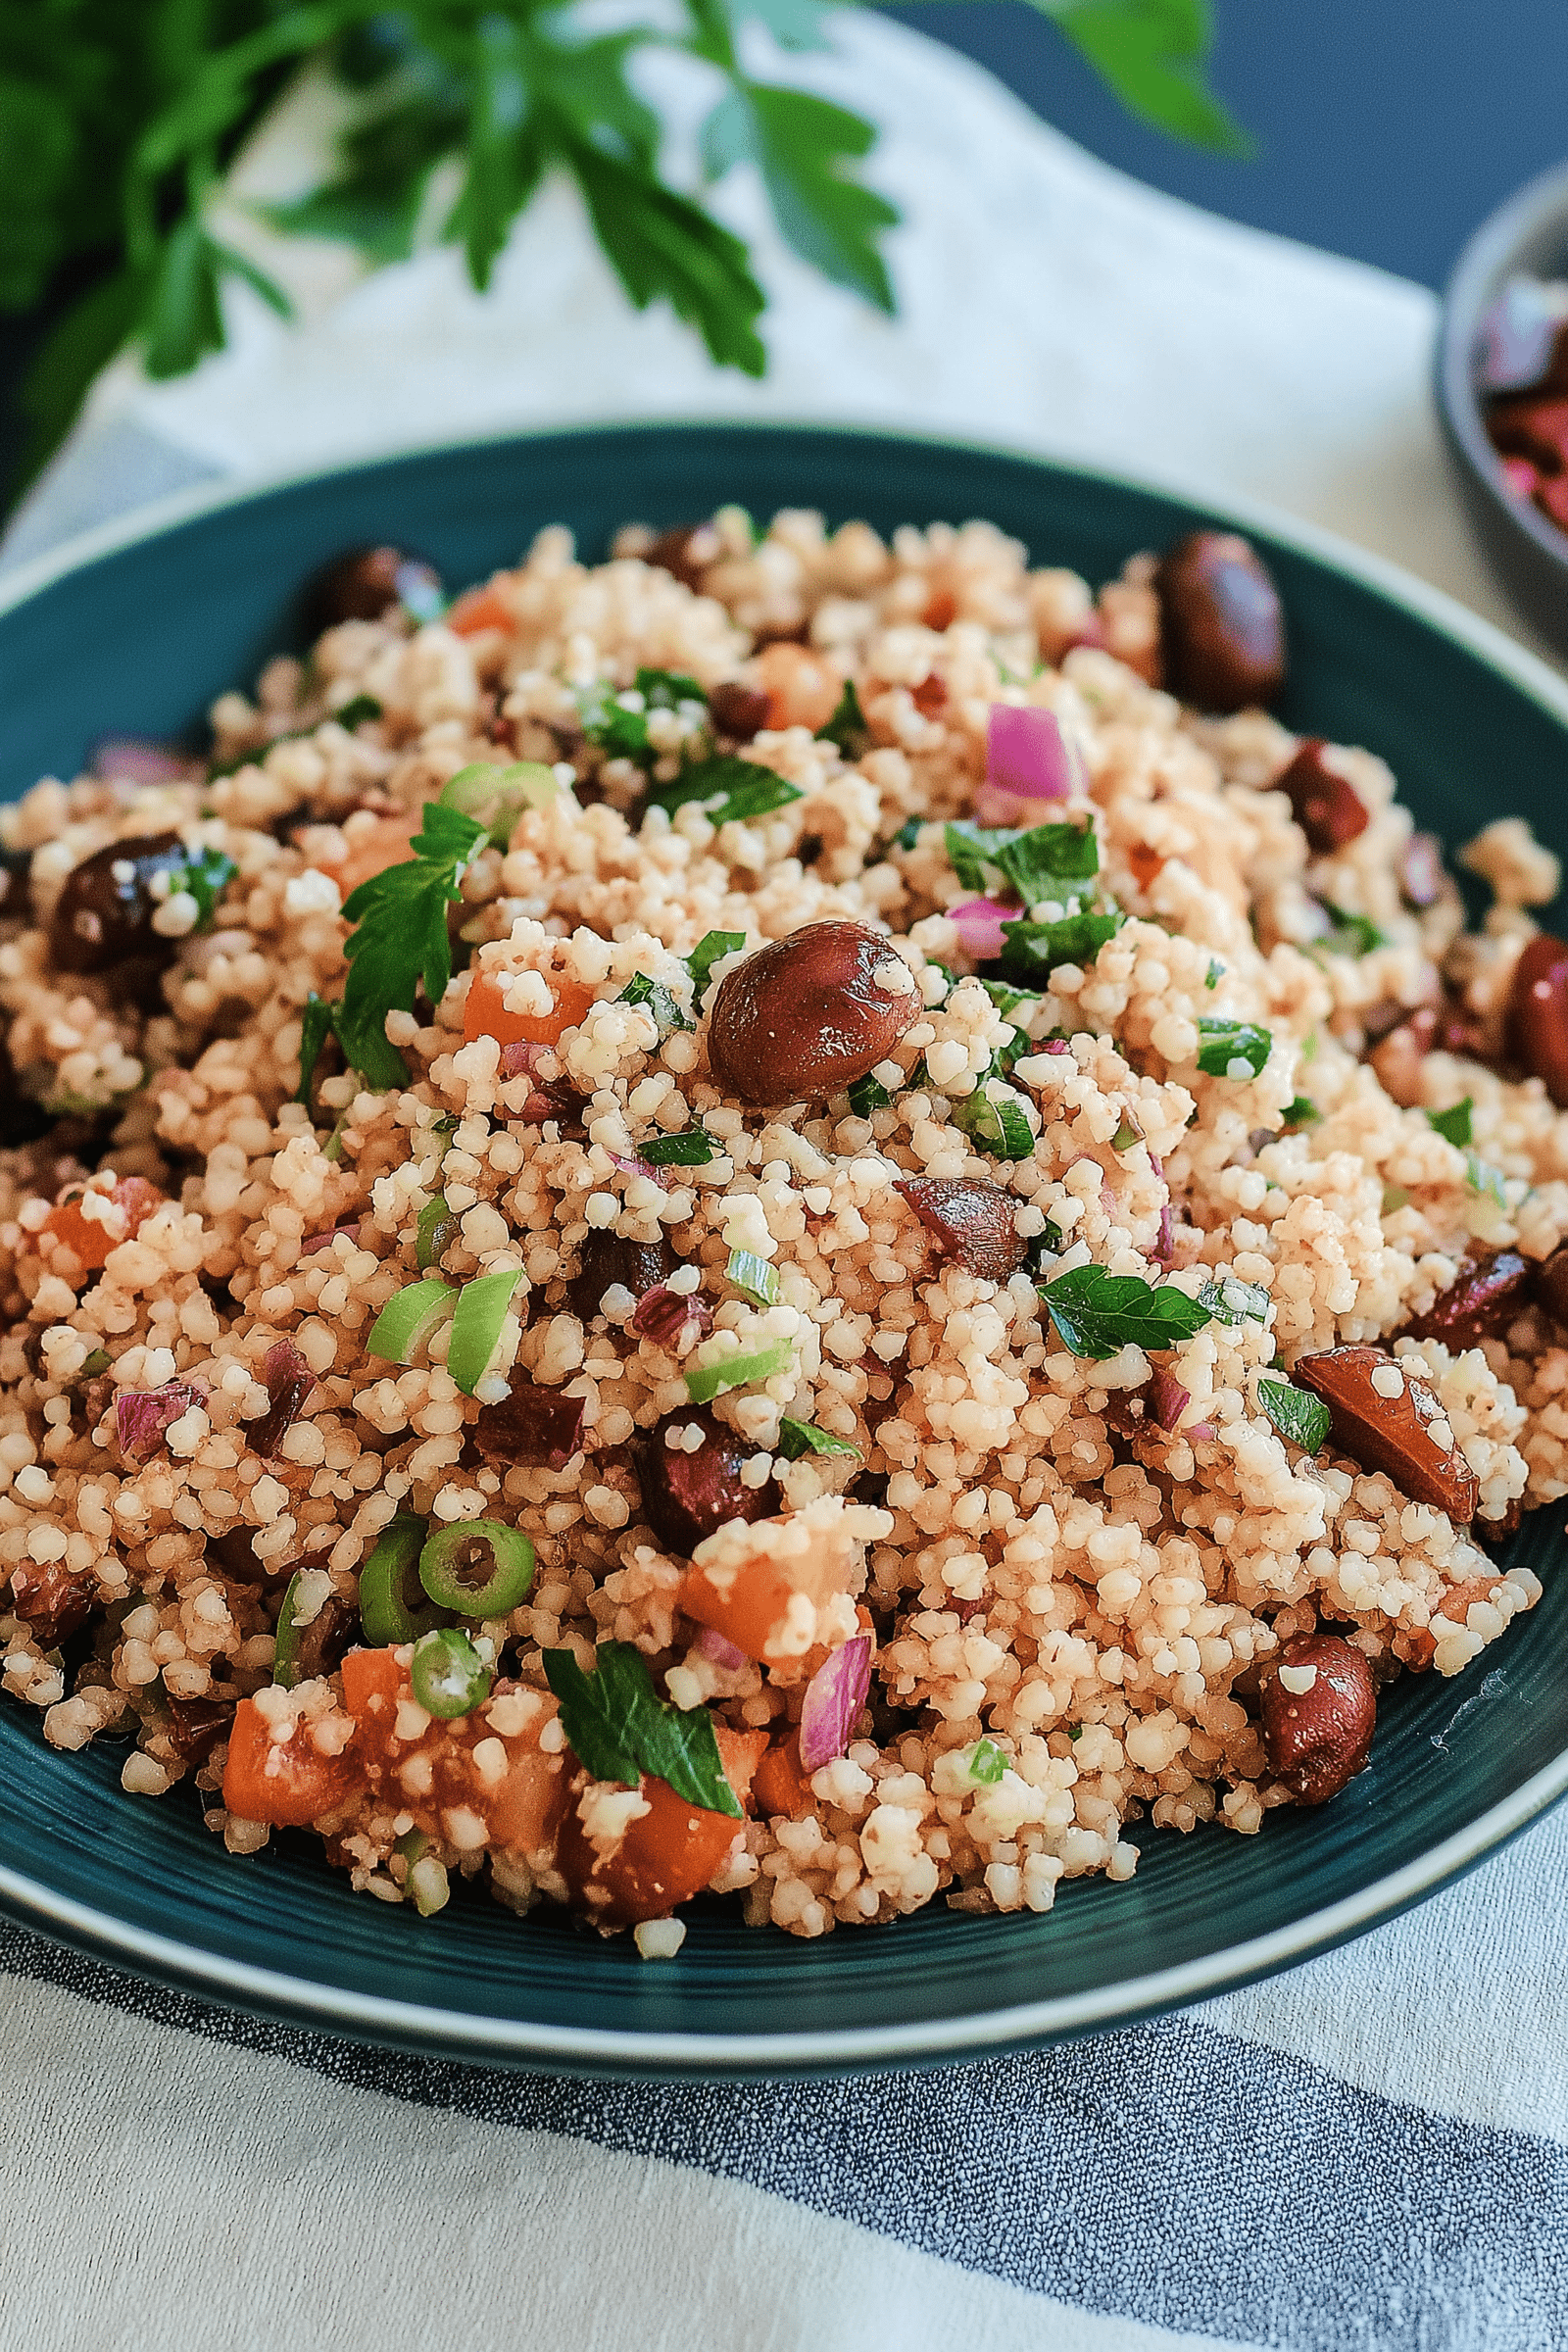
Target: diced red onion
{"points": [[834, 1698], [1165, 1399], [131, 760], [723, 1654], [1028, 759], [1163, 1253], [520, 1057], [641, 1167], [289, 1381], [1056, 1045], [674, 1320], [324, 1241], [1202, 1433], [143, 1416], [979, 924], [1421, 874]]}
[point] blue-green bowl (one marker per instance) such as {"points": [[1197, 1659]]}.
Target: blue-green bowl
{"points": [[132, 631]]}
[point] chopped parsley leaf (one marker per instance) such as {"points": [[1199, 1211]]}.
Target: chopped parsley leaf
{"points": [[1224, 1043], [1098, 1315], [1453, 1125], [618, 1728]]}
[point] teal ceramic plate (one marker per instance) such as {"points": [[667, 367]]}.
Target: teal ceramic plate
{"points": [[132, 632]]}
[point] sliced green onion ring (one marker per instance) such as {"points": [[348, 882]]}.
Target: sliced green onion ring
{"points": [[389, 1587], [451, 1549], [407, 1321], [449, 1676], [476, 1322], [708, 1381], [753, 1276], [498, 796]]}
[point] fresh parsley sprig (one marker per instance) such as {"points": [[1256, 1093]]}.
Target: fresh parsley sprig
{"points": [[400, 940], [618, 1728], [1098, 1315], [119, 119]]}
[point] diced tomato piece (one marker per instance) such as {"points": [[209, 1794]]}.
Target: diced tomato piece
{"points": [[780, 1785], [132, 1203], [479, 610], [740, 1753], [484, 1013], [434, 1773], [666, 1855], [388, 842], [289, 1783], [370, 1676], [748, 1601], [803, 687], [941, 608]]}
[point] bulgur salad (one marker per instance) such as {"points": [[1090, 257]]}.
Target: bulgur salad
{"points": [[794, 1215]]}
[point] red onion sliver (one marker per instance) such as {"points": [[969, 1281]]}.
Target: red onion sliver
{"points": [[289, 1381], [834, 1698], [130, 759], [142, 1416], [313, 1242], [674, 1320], [1202, 1433], [723, 1654], [1165, 1399], [1056, 1045], [641, 1167], [1163, 1253], [1028, 754], [519, 1056], [979, 924]]}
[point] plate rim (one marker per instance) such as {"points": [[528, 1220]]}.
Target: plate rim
{"points": [[521, 2041]]}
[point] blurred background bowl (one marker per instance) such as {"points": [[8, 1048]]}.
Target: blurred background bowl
{"points": [[1528, 236]]}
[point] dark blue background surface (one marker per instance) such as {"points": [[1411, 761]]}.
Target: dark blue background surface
{"points": [[1387, 129]]}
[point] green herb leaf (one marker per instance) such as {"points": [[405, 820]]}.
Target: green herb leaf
{"points": [[1153, 53], [667, 1014], [753, 1277], [1299, 1111], [618, 1728], [908, 835], [357, 712], [709, 949], [1007, 999], [1045, 861], [623, 731], [1482, 1177], [739, 789], [867, 1095], [705, 1381], [1351, 935], [1453, 1125], [1226, 1044], [693, 1148], [1031, 950], [316, 1027], [802, 146], [995, 1120], [1098, 1315], [986, 1763], [1216, 973], [795, 1437], [847, 727], [1234, 1301], [206, 874], [663, 246], [401, 940], [476, 1322], [1305, 1419]]}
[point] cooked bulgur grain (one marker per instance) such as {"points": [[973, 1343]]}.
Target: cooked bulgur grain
{"points": [[877, 1320]]}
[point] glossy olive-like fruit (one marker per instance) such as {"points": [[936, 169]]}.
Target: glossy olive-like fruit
{"points": [[1538, 1015], [103, 913], [973, 1221], [689, 1495], [1222, 630], [608, 1260], [1317, 1739], [738, 711], [1329, 810], [362, 583], [809, 1013]]}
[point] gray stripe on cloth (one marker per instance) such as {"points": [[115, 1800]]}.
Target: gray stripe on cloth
{"points": [[1169, 2174]]}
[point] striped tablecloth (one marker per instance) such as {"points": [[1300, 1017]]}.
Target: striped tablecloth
{"points": [[1368, 2153]]}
